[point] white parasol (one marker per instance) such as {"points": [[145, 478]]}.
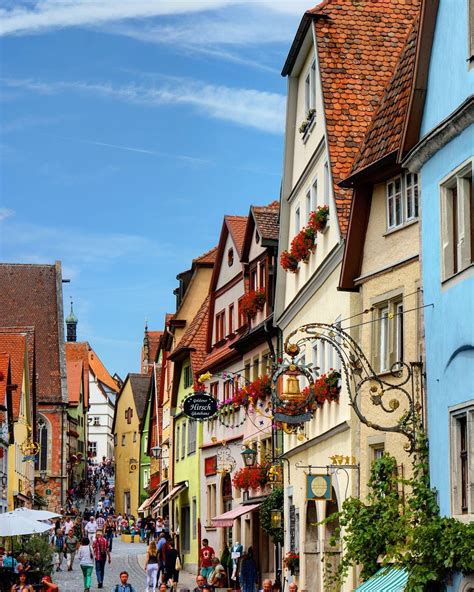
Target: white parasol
{"points": [[12, 524], [36, 514]]}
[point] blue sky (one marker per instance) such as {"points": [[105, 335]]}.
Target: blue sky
{"points": [[129, 128]]}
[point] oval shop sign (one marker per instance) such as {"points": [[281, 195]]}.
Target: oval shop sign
{"points": [[200, 406]]}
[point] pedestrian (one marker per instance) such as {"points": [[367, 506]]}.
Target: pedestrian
{"points": [[68, 525], [101, 555], [109, 531], [172, 565], [71, 544], [206, 555], [86, 561], [201, 582], [217, 578], [22, 585], [161, 547], [48, 584], [163, 588], [267, 586], [248, 572], [57, 543], [293, 587], [90, 528], [151, 566], [124, 586]]}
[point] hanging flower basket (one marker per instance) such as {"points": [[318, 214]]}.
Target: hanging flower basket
{"points": [[326, 388], [253, 302], [292, 562], [251, 477], [319, 218], [288, 262], [257, 390]]}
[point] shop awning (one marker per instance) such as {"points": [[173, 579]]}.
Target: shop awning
{"points": [[387, 579], [147, 503], [227, 519], [177, 489]]}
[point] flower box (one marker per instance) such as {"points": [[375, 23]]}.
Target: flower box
{"points": [[318, 219], [251, 477], [253, 302]]}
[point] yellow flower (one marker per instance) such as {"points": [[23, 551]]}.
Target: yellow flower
{"points": [[205, 376]]}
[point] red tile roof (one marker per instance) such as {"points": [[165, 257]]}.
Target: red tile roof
{"points": [[79, 351], [29, 297], [267, 220], [195, 338], [4, 364], [220, 355], [207, 258], [385, 132], [236, 226], [101, 372], [14, 346], [153, 338], [358, 43], [74, 381], [29, 334]]}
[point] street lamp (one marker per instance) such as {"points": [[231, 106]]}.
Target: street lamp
{"points": [[157, 452], [276, 518], [249, 456]]}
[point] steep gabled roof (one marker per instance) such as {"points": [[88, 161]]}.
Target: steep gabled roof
{"points": [[75, 378], [266, 220], [195, 338], [207, 258], [14, 346], [385, 132], [31, 297], [100, 371], [358, 45], [236, 226], [79, 351], [140, 384]]}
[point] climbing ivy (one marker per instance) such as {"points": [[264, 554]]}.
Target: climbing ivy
{"points": [[408, 533], [273, 501]]}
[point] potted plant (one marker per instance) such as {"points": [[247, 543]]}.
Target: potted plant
{"points": [[303, 244], [253, 302], [318, 219], [292, 562], [289, 262], [307, 122]]}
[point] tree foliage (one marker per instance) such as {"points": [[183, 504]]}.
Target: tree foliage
{"points": [[408, 533], [273, 501]]}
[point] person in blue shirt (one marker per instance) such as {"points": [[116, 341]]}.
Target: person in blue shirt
{"points": [[124, 586], [10, 561]]}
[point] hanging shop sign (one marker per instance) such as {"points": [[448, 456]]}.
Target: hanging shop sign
{"points": [[200, 406], [319, 487]]}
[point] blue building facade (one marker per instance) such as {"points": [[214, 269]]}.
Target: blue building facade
{"points": [[443, 158]]}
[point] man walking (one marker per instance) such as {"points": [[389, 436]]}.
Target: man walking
{"points": [[206, 556], [124, 586], [57, 543], [101, 554], [70, 547], [90, 528]]}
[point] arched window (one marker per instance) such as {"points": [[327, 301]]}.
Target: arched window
{"points": [[41, 462]]}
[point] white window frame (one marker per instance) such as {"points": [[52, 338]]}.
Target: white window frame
{"points": [[407, 196], [463, 410], [314, 194], [455, 258], [394, 195], [412, 196], [310, 88], [297, 219], [384, 339], [388, 333]]}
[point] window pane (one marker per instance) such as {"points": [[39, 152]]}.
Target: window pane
{"points": [[399, 333], [383, 353]]}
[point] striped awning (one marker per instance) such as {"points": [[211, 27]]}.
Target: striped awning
{"points": [[387, 579], [147, 503], [227, 519], [177, 489]]}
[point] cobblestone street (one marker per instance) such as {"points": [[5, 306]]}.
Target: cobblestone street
{"points": [[125, 556]]}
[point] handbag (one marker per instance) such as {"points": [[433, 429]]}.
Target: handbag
{"points": [[177, 565]]}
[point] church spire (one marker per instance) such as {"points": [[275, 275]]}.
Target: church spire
{"points": [[71, 325]]}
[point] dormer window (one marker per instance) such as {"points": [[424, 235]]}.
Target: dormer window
{"points": [[230, 257], [257, 237]]}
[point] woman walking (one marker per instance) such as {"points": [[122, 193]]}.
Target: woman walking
{"points": [[86, 561], [248, 572], [151, 566]]}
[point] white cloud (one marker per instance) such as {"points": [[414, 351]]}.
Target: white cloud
{"points": [[248, 107], [44, 15], [5, 213]]}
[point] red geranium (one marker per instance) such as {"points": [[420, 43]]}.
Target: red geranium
{"points": [[252, 302], [319, 218], [251, 477], [303, 244], [288, 262]]}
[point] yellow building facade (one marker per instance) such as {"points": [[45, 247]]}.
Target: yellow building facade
{"points": [[129, 409]]}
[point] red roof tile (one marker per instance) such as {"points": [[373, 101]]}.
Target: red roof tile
{"points": [[74, 381], [385, 132], [29, 297], [14, 346], [4, 364], [207, 258], [29, 334], [236, 226], [267, 220], [195, 337], [101, 372], [359, 43], [219, 355], [79, 351]]}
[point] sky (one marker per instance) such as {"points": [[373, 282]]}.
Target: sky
{"points": [[128, 130]]}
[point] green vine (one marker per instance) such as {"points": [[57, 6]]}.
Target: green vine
{"points": [[273, 501], [407, 533]]}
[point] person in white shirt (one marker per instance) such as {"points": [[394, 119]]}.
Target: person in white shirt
{"points": [[68, 525], [91, 528]]}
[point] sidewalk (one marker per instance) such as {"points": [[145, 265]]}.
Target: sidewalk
{"points": [[187, 581]]}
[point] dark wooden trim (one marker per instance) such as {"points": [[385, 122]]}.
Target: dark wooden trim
{"points": [[412, 124], [355, 240]]}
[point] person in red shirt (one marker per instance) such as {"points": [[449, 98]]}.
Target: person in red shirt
{"points": [[206, 554], [101, 554]]}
